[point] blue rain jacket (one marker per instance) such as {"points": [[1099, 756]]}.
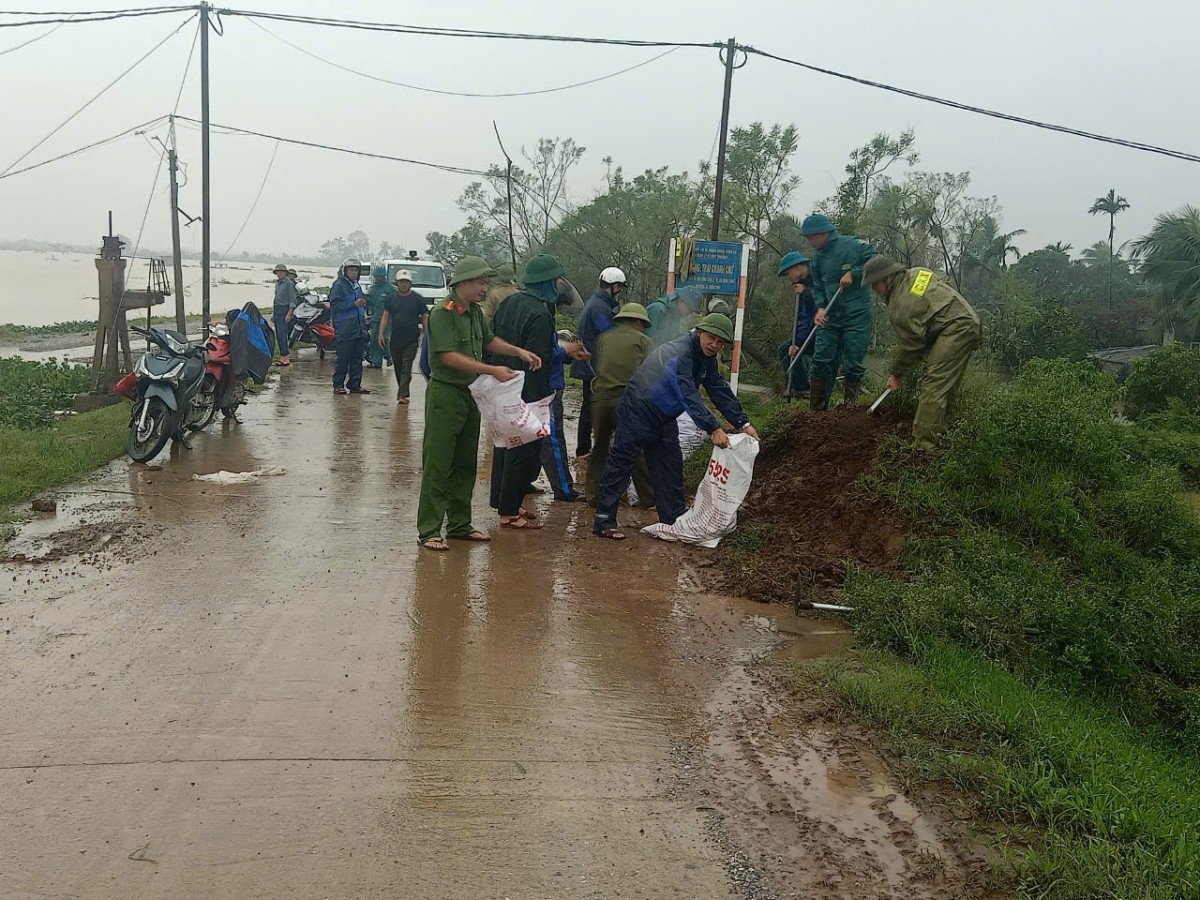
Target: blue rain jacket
{"points": [[668, 384], [596, 318], [349, 319]]}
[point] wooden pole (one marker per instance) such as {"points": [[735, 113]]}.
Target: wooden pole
{"points": [[180, 310], [205, 184], [730, 51]]}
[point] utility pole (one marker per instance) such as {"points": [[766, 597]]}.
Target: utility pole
{"points": [[727, 54], [206, 212], [180, 311]]}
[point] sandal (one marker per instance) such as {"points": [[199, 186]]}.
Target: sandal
{"points": [[474, 535], [613, 534], [359, 391], [527, 515], [340, 391], [436, 544], [521, 523]]}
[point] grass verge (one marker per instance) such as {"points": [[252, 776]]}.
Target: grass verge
{"points": [[42, 458], [1092, 806]]}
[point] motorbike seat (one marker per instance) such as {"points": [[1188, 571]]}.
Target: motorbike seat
{"points": [[193, 369]]}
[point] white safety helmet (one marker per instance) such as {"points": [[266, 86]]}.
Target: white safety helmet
{"points": [[612, 275], [403, 275]]}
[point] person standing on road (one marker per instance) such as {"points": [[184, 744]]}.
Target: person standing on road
{"points": [[404, 315], [347, 306], [795, 268], [503, 288], [663, 387], [285, 304], [596, 318], [619, 352], [458, 335], [377, 298], [555, 463], [526, 320], [845, 330], [674, 314], [933, 322]]}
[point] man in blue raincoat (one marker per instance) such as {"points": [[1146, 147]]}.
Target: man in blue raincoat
{"points": [[664, 386], [674, 314], [347, 306], [795, 268], [845, 330]]}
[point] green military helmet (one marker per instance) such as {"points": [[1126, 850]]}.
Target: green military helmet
{"points": [[506, 273], [293, 273], [471, 267], [379, 272], [879, 268], [791, 260], [817, 223], [542, 267], [279, 267], [633, 311], [718, 325]]}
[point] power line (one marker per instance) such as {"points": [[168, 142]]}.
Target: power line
{"points": [[94, 98], [32, 40], [108, 140], [429, 90], [979, 110], [186, 68], [253, 205], [99, 15], [229, 129], [400, 28]]}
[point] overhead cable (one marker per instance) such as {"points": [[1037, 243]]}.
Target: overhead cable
{"points": [[94, 98], [979, 110], [60, 17], [401, 28], [230, 129], [32, 40], [429, 90], [108, 140], [253, 205]]}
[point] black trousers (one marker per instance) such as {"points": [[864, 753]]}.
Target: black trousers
{"points": [[513, 470], [583, 439]]}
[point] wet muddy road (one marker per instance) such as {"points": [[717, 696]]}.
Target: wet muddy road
{"points": [[265, 690]]}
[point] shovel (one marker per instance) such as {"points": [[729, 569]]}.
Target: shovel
{"points": [[812, 334], [879, 402]]}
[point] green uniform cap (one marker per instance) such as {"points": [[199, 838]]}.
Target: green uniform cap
{"points": [[471, 267], [506, 273], [633, 311], [279, 267], [817, 223], [791, 259], [542, 267], [877, 268], [717, 324]]}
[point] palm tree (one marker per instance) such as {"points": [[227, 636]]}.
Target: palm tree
{"points": [[1170, 256], [1060, 247], [1110, 205]]}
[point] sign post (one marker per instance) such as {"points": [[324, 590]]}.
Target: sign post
{"points": [[740, 321], [720, 268]]}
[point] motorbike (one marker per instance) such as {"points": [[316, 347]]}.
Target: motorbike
{"points": [[218, 364], [311, 324], [172, 390]]}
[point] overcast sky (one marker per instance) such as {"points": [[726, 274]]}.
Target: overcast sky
{"points": [[1115, 68]]}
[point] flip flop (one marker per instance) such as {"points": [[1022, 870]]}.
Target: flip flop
{"points": [[436, 544], [340, 391], [522, 524], [612, 534], [474, 535], [527, 515]]}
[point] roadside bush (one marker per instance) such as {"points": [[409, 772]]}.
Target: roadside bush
{"points": [[32, 391], [1166, 375], [1062, 549]]}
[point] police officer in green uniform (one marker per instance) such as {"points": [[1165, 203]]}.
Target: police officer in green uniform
{"points": [[845, 330], [377, 298], [458, 335], [933, 322]]}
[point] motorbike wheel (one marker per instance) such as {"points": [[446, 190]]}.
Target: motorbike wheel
{"points": [[204, 405], [239, 397], [320, 352], [144, 445]]}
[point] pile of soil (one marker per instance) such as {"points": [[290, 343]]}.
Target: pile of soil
{"points": [[804, 519]]}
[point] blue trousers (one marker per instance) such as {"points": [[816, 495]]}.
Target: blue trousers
{"points": [[842, 343], [799, 380], [282, 327], [554, 454], [658, 438], [347, 371]]}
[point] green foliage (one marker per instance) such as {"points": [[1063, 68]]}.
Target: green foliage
{"points": [[1165, 377], [1102, 811], [46, 457], [1029, 326], [1170, 257], [32, 391], [1061, 548]]}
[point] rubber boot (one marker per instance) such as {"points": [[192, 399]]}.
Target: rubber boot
{"points": [[817, 399], [853, 391]]}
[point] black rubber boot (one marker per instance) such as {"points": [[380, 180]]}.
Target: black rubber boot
{"points": [[853, 391], [817, 399]]}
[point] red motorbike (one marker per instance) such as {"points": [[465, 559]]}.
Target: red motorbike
{"points": [[218, 377]]}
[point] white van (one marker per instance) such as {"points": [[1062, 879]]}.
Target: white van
{"points": [[428, 277]]}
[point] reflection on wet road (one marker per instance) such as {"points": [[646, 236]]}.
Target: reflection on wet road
{"points": [[267, 690]]}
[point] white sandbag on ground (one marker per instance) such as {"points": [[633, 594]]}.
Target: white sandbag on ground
{"points": [[226, 477], [511, 421], [714, 511]]}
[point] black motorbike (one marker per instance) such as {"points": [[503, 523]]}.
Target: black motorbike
{"points": [[174, 393]]}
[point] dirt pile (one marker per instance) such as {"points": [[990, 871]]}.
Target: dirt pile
{"points": [[804, 517]]}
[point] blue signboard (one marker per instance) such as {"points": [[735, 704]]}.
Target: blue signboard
{"points": [[718, 267]]}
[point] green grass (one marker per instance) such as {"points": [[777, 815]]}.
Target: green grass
{"points": [[1093, 807], [38, 459], [32, 391]]}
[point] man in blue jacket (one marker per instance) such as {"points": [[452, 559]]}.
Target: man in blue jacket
{"points": [[596, 318], [664, 386], [795, 268], [845, 330], [347, 306]]}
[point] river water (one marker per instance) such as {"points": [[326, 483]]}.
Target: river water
{"points": [[40, 288]]}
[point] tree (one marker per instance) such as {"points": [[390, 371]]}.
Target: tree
{"points": [[356, 244], [867, 168], [1110, 205], [473, 239], [1170, 257]]}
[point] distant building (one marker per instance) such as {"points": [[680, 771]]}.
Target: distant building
{"points": [[1118, 361]]}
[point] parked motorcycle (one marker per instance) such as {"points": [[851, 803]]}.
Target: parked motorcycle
{"points": [[173, 392], [231, 390], [311, 324]]}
